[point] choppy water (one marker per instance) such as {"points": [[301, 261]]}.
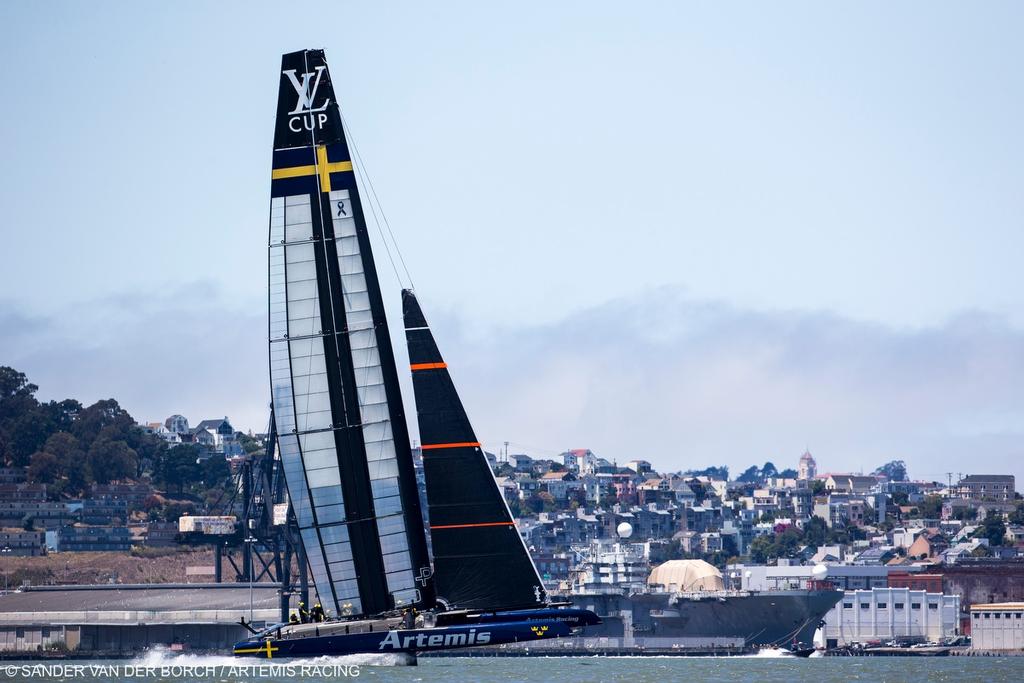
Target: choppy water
{"points": [[764, 668]]}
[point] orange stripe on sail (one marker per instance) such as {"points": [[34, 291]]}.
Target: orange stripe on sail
{"points": [[464, 444], [427, 366], [465, 526]]}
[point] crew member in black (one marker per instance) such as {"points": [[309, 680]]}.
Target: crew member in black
{"points": [[303, 613], [318, 612]]}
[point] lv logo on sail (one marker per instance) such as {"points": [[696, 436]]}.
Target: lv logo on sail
{"points": [[302, 115]]}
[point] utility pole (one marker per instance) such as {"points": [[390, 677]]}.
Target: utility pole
{"points": [[249, 541], [6, 551]]}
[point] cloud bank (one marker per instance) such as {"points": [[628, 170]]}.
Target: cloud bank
{"points": [[689, 383], [662, 376]]}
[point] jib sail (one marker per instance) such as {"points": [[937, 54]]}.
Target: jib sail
{"points": [[480, 561]]}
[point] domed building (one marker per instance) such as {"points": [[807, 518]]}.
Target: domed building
{"points": [[685, 576], [807, 469]]}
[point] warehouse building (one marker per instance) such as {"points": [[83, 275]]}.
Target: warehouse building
{"points": [[125, 619], [882, 614], [997, 626]]}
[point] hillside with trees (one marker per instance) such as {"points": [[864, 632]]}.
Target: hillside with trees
{"points": [[69, 446]]}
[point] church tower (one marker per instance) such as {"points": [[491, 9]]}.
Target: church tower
{"points": [[807, 469]]}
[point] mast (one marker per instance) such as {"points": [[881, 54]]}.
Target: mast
{"points": [[480, 560], [342, 435]]}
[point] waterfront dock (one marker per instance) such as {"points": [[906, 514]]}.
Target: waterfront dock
{"points": [[120, 620]]}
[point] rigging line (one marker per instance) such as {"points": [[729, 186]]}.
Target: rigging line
{"points": [[376, 221], [373, 192]]}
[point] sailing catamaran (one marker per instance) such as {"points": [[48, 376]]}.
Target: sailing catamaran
{"points": [[342, 434]]}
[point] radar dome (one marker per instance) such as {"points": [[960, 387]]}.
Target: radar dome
{"points": [[624, 530], [819, 572]]}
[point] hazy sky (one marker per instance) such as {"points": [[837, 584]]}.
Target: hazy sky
{"points": [[696, 233]]}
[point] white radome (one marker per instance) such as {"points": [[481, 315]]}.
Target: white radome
{"points": [[624, 530], [819, 572]]}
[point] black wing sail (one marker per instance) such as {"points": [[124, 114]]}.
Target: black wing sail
{"points": [[342, 435], [480, 560]]}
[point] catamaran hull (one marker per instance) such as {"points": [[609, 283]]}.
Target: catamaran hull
{"points": [[405, 640]]}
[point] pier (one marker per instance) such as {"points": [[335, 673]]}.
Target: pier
{"points": [[122, 620]]}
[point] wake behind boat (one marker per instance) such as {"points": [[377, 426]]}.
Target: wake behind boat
{"points": [[342, 438]]}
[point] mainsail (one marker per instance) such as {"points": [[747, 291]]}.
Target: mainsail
{"points": [[342, 434], [480, 560]]}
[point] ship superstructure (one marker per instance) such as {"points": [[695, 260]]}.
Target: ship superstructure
{"points": [[685, 604]]}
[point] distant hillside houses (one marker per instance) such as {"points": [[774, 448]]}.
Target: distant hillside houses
{"points": [[215, 436], [583, 461]]}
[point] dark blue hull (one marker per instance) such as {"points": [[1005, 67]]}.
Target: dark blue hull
{"points": [[334, 638], [404, 640]]}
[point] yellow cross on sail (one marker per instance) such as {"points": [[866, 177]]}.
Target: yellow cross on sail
{"points": [[322, 168]]}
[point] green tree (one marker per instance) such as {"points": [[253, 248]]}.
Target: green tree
{"points": [[787, 544], [993, 529], [817, 487], [1017, 516], [815, 531], [542, 501], [111, 460], [43, 468], [148, 447], [749, 475], [721, 473], [17, 403], [930, 507], [965, 514], [761, 549], [214, 471], [895, 470], [62, 463], [250, 445], [104, 417], [178, 467], [78, 475], [27, 434], [172, 511], [62, 413]]}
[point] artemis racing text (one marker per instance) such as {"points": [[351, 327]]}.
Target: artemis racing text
{"points": [[396, 641]]}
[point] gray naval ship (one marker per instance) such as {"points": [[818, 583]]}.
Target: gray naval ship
{"points": [[687, 605]]}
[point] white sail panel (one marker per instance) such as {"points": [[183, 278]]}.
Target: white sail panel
{"points": [[373, 407], [302, 404]]}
